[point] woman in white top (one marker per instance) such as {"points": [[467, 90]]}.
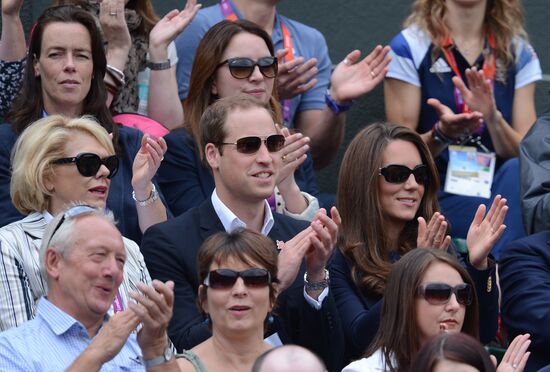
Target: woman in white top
{"points": [[428, 292]]}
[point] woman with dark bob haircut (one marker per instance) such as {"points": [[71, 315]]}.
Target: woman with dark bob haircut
{"points": [[185, 179], [64, 75], [238, 274], [427, 292], [448, 352], [387, 198]]}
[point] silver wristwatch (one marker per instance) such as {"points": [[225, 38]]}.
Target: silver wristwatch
{"points": [[153, 197], [317, 285], [167, 356]]}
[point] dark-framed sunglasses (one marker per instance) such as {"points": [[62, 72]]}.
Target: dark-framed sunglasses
{"points": [[250, 145], [226, 278], [440, 293], [88, 163], [397, 173], [243, 67]]}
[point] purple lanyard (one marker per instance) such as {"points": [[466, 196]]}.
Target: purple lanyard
{"points": [[230, 15], [117, 303]]}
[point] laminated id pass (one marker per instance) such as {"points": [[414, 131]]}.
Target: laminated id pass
{"points": [[470, 172]]}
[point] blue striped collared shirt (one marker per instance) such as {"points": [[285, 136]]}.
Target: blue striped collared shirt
{"points": [[53, 340]]}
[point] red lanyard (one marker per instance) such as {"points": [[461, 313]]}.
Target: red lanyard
{"points": [[489, 66], [230, 15]]}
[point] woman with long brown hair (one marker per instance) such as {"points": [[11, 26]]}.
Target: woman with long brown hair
{"points": [[463, 72], [387, 199], [141, 55]]}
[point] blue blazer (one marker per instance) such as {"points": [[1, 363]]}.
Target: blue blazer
{"points": [[186, 182], [120, 200], [170, 250], [360, 312], [524, 269]]}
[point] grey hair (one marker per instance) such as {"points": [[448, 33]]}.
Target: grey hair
{"points": [[64, 232]]}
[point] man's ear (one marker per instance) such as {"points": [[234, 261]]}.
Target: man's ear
{"points": [[52, 262], [212, 155]]}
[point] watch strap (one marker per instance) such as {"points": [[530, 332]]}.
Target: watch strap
{"points": [[158, 66], [336, 107]]}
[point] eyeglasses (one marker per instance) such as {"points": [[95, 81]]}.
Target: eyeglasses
{"points": [[88, 164], [250, 145], [440, 293], [396, 173], [242, 67], [226, 278], [71, 213]]}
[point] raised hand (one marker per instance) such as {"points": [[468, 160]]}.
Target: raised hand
{"points": [[147, 161], [433, 234], [352, 78], [516, 355], [485, 231], [479, 94], [153, 308], [323, 242], [290, 257], [11, 7], [295, 76], [169, 27], [114, 27], [293, 155], [455, 125]]}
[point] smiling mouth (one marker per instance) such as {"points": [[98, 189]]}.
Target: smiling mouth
{"points": [[264, 175]]}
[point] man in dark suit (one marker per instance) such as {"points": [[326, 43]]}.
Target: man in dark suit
{"points": [[524, 270], [243, 148]]}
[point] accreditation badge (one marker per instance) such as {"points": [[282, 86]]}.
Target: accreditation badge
{"points": [[470, 172]]}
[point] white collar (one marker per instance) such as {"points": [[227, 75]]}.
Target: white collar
{"points": [[230, 221]]}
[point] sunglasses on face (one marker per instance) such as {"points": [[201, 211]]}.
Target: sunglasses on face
{"points": [[396, 173], [440, 293], [88, 164], [242, 67], [226, 278], [250, 145]]}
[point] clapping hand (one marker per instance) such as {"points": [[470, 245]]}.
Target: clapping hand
{"points": [[296, 76], [147, 161], [433, 234]]}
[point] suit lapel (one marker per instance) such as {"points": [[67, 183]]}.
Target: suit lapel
{"points": [[209, 220]]}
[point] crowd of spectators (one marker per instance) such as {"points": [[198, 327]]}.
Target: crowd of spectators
{"points": [[159, 208]]}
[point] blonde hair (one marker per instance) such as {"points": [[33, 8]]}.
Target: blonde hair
{"points": [[504, 19], [37, 147]]}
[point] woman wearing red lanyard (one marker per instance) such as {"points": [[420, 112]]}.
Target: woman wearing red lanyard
{"points": [[463, 73]]}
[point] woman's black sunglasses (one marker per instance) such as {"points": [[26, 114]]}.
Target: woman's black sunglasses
{"points": [[242, 67], [396, 173], [250, 145], [440, 293], [226, 278], [88, 163]]}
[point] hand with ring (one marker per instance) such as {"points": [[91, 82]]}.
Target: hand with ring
{"points": [[113, 24], [434, 233], [293, 155], [516, 355], [354, 77]]}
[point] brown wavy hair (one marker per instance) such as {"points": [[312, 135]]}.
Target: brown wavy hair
{"points": [[398, 335], [363, 239], [503, 18], [208, 56]]}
